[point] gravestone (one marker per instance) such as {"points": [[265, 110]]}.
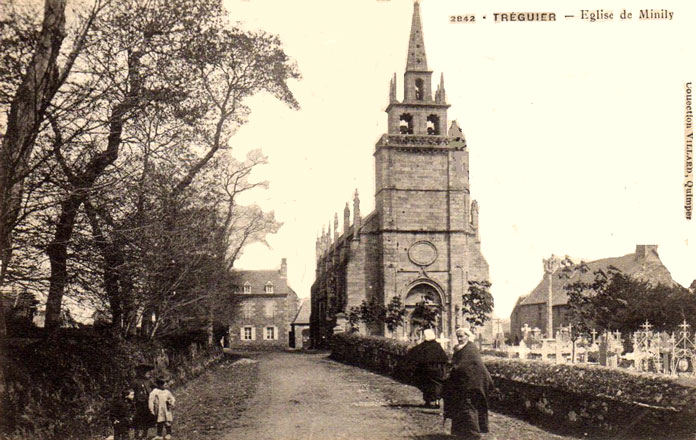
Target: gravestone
{"points": [[548, 347], [523, 350], [610, 348], [564, 346]]}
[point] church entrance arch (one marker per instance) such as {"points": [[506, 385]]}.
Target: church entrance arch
{"points": [[423, 302]]}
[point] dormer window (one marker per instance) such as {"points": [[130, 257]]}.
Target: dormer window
{"points": [[268, 288], [419, 88], [247, 287]]}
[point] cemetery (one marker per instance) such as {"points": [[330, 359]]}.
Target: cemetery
{"points": [[599, 385], [671, 354]]}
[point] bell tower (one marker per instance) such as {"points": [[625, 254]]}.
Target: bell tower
{"points": [[419, 113], [427, 227]]}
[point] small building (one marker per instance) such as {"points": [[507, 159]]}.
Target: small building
{"points": [[265, 308], [299, 332], [530, 309]]}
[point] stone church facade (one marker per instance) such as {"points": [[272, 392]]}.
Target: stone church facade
{"points": [[422, 240]]}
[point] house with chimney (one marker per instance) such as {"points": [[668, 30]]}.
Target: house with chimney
{"points": [[531, 310], [265, 306]]}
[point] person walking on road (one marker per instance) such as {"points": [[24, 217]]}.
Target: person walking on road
{"points": [[430, 362], [466, 391]]}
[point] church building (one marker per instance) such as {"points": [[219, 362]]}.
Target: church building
{"points": [[422, 242]]}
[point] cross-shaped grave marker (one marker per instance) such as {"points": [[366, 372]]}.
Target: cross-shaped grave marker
{"points": [[684, 326], [594, 335], [646, 327]]}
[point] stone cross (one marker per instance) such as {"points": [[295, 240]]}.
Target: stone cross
{"points": [[526, 329], [594, 335], [550, 266], [617, 335], [646, 327], [684, 326]]}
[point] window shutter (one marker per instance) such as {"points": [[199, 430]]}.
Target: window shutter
{"points": [[241, 333], [253, 333]]}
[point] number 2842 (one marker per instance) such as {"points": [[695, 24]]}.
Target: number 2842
{"points": [[462, 18]]}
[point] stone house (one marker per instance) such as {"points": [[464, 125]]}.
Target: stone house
{"points": [[530, 309], [265, 307], [421, 243]]}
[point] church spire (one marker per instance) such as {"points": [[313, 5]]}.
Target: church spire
{"points": [[416, 49]]}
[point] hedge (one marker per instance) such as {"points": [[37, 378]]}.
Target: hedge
{"points": [[63, 389], [589, 400]]}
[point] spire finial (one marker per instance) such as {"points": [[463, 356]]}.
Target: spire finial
{"points": [[392, 89], [443, 97], [416, 48]]}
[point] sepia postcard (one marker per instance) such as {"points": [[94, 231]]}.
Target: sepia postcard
{"points": [[399, 152]]}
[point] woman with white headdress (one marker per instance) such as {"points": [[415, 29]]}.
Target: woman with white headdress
{"points": [[465, 393], [430, 362]]}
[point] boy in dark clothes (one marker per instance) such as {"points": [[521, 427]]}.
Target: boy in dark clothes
{"points": [[122, 415]]}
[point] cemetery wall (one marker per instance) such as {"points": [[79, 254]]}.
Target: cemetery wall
{"points": [[592, 400]]}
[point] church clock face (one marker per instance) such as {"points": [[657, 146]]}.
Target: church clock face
{"points": [[422, 253]]}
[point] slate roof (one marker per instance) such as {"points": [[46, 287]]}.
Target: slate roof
{"points": [[302, 317], [644, 265], [258, 279]]}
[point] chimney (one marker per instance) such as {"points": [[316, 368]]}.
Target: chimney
{"points": [[284, 269], [643, 250]]}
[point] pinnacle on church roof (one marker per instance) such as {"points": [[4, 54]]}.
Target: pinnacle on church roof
{"points": [[416, 60]]}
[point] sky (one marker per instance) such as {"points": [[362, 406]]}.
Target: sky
{"points": [[575, 128]]}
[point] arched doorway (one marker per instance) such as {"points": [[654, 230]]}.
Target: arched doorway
{"points": [[423, 301]]}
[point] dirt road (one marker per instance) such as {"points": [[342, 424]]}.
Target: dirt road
{"points": [[309, 397]]}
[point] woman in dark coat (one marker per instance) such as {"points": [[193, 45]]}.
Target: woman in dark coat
{"points": [[430, 362], [143, 419], [466, 390]]}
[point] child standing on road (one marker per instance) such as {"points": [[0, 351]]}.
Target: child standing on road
{"points": [[122, 415], [161, 403]]}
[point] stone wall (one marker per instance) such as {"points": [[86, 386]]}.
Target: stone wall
{"points": [[594, 402]]}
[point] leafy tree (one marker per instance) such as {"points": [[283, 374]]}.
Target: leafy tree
{"points": [[477, 303], [612, 300], [374, 312], [395, 314], [425, 315]]}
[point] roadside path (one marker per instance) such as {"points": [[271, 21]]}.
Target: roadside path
{"points": [[310, 397]]}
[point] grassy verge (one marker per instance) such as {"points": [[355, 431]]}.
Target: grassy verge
{"points": [[210, 405]]}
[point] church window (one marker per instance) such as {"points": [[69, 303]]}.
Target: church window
{"points": [[406, 124], [433, 125], [247, 287], [268, 288], [419, 89]]}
